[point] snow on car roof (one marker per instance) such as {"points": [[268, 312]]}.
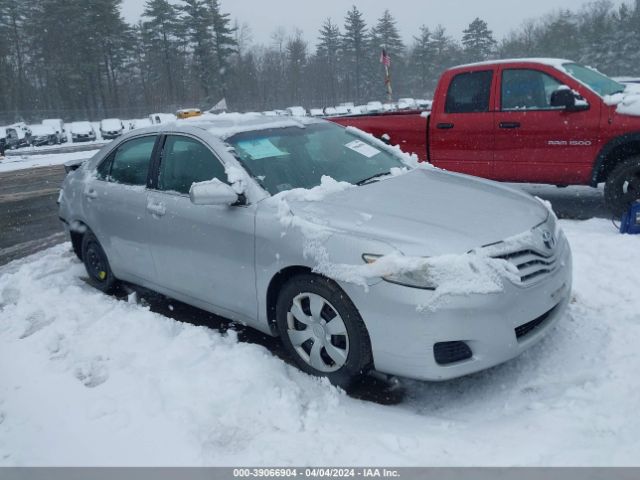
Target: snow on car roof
{"points": [[227, 125], [41, 129], [551, 62]]}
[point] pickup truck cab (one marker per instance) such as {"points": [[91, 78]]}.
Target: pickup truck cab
{"points": [[532, 121]]}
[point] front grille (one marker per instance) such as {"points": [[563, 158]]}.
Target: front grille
{"points": [[529, 328], [451, 352], [531, 264]]}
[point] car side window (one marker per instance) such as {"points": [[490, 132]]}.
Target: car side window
{"points": [[186, 161], [525, 89], [130, 163], [469, 92]]}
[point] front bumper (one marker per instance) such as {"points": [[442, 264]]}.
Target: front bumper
{"points": [[403, 337]]}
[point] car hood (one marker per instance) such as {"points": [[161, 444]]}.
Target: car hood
{"points": [[427, 212]]}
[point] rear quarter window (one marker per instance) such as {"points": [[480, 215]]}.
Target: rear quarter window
{"points": [[469, 92]]}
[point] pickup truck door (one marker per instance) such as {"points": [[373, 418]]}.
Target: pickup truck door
{"points": [[461, 133], [536, 142]]}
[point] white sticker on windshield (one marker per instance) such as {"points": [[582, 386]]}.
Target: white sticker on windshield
{"points": [[362, 148], [261, 148]]}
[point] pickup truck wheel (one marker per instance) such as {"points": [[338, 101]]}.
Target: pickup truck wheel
{"points": [[322, 330], [97, 264], [623, 186]]}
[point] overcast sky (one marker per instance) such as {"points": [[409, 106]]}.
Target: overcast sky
{"points": [[264, 16]]}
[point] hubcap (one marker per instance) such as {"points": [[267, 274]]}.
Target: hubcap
{"points": [[317, 332]]}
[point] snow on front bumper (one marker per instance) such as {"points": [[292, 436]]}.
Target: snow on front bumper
{"points": [[403, 337]]}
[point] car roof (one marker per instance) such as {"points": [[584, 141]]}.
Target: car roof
{"points": [[224, 126]]}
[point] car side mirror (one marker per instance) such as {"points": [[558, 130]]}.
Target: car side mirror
{"points": [[213, 192], [566, 98]]}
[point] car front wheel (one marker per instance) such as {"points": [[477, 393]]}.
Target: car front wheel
{"points": [[322, 330], [623, 186], [97, 265]]}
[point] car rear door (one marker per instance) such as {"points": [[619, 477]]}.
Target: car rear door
{"points": [[536, 142], [461, 135], [203, 253], [115, 205]]}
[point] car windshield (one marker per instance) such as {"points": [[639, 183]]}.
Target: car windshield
{"points": [[286, 158], [598, 82]]}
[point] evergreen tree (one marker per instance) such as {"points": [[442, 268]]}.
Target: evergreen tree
{"points": [[422, 61], [328, 54], [160, 32], [355, 46], [200, 41], [296, 61], [478, 40], [224, 44]]}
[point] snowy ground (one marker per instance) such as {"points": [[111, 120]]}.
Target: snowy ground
{"points": [[86, 379], [13, 163]]}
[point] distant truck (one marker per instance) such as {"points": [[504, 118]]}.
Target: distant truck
{"points": [[531, 121]]}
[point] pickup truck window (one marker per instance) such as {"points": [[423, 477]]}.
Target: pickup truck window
{"points": [[469, 92], [525, 89]]}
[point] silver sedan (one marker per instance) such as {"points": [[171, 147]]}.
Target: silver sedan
{"points": [[356, 258]]}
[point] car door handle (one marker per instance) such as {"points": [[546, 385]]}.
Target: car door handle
{"points": [[157, 209], [510, 125], [91, 194], [445, 126]]}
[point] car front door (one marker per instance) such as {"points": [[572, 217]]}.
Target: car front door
{"points": [[461, 130], [115, 205], [204, 253], [536, 142]]}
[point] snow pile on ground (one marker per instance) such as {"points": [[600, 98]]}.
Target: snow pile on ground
{"points": [[14, 162], [86, 379]]}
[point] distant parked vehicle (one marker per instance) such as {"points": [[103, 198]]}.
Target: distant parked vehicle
{"points": [[627, 80], [58, 126], [343, 109], [270, 113], [139, 123], [111, 128], [42, 135], [331, 111], [82, 132], [375, 107], [296, 112], [17, 136], [407, 104], [188, 113], [316, 112], [159, 118], [3, 140]]}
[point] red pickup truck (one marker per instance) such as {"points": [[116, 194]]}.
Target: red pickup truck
{"points": [[532, 121]]}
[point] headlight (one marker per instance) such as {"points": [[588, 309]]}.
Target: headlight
{"points": [[419, 278]]}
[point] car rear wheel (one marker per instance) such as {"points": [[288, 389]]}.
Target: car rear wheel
{"points": [[322, 330], [623, 186], [97, 265]]}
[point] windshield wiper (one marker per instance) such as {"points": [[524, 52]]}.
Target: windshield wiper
{"points": [[372, 178]]}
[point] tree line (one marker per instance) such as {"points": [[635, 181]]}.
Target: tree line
{"points": [[81, 59]]}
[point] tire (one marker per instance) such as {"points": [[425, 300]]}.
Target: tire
{"points": [[322, 330], [97, 265], [623, 186]]}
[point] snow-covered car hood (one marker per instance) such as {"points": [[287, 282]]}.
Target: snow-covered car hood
{"points": [[111, 125], [81, 128], [627, 103], [426, 212]]}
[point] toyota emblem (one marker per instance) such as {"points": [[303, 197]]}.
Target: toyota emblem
{"points": [[548, 239]]}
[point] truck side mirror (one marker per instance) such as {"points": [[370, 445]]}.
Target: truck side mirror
{"points": [[566, 98]]}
